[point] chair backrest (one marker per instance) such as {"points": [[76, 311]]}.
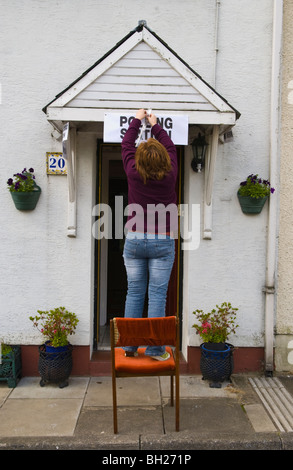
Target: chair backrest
{"points": [[145, 331]]}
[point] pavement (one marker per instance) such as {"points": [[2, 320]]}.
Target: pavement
{"points": [[252, 412]]}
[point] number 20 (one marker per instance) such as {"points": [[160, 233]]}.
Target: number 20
{"points": [[54, 162]]}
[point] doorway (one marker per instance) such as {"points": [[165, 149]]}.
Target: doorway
{"points": [[111, 279], [116, 279]]}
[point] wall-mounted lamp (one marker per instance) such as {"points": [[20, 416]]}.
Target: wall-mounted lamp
{"points": [[199, 146]]}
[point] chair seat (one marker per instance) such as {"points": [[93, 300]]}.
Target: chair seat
{"points": [[142, 364]]}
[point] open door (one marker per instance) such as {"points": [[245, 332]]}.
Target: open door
{"points": [[111, 279]]}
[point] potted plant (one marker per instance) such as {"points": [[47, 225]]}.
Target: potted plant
{"points": [[24, 190], [214, 328], [10, 364], [253, 193], [55, 360]]}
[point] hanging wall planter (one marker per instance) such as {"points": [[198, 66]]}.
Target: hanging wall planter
{"points": [[251, 205], [26, 201], [24, 191], [253, 193]]}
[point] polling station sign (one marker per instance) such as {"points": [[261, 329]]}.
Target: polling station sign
{"points": [[116, 125]]}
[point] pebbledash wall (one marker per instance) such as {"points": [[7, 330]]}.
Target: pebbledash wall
{"points": [[45, 46], [284, 320]]}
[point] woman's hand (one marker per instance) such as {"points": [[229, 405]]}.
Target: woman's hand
{"points": [[152, 119], [141, 114]]}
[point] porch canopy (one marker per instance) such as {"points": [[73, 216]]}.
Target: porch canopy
{"points": [[142, 71]]}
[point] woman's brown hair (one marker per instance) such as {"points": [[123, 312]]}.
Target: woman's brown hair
{"points": [[152, 160]]}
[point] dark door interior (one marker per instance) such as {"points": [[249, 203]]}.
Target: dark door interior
{"points": [[117, 281]]}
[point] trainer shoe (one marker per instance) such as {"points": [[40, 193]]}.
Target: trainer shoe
{"points": [[163, 357]]}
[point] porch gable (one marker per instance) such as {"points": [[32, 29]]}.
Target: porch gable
{"points": [[140, 71]]}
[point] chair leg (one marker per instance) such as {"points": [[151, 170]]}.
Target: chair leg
{"points": [[114, 394], [177, 400], [172, 390]]}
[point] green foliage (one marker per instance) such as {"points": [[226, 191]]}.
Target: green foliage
{"points": [[5, 349], [56, 325], [216, 325], [22, 182], [255, 187]]}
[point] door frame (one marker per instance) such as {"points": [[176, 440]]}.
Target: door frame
{"points": [[101, 246]]}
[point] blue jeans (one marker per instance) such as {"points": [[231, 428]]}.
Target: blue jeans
{"points": [[148, 261]]}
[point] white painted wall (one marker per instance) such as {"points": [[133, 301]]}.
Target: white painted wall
{"points": [[47, 45]]}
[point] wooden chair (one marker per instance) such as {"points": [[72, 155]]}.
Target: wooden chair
{"points": [[145, 331]]}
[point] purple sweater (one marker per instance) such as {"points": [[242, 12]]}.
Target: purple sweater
{"points": [[148, 216]]}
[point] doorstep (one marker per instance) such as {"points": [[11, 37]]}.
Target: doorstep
{"points": [[100, 364]]}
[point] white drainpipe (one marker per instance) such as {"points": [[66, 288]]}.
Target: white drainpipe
{"points": [[273, 202]]}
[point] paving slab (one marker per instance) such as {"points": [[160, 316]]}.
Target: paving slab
{"points": [[132, 391], [32, 410], [197, 415], [195, 387], [39, 417], [4, 392], [259, 418], [98, 422], [29, 387]]}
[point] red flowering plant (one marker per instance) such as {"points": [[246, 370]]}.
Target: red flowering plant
{"points": [[216, 325], [56, 325], [22, 182]]}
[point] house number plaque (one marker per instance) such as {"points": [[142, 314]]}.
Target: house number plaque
{"points": [[56, 163]]}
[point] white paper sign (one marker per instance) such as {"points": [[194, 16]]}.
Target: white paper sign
{"points": [[116, 125]]}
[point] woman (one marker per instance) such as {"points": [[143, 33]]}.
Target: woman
{"points": [[149, 249]]}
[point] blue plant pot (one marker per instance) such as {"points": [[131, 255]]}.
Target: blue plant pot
{"points": [[55, 367], [56, 350], [216, 365]]}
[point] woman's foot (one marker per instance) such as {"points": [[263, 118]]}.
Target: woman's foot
{"points": [[162, 357]]}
